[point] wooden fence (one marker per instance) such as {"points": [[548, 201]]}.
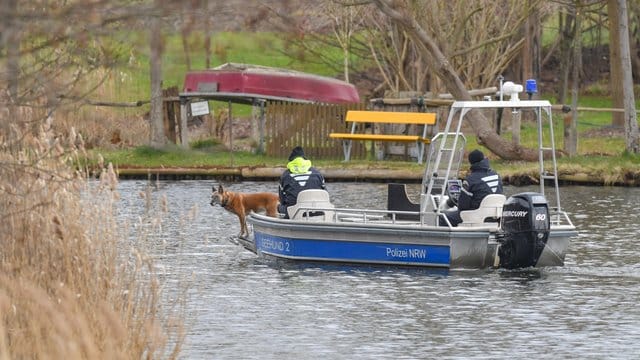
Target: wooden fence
{"points": [[288, 125], [308, 125]]}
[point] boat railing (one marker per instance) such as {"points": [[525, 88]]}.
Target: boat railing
{"points": [[559, 218], [342, 215], [377, 217], [354, 215]]}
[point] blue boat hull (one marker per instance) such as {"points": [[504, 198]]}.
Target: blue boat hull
{"points": [[351, 251]]}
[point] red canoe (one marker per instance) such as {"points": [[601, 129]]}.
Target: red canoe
{"points": [[244, 83]]}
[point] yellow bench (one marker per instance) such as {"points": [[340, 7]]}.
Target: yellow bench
{"points": [[428, 120]]}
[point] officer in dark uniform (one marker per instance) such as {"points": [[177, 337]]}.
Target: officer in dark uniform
{"points": [[300, 175], [480, 182]]}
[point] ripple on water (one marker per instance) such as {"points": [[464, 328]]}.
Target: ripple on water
{"points": [[244, 307]]}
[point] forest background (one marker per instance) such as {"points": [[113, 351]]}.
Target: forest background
{"points": [[64, 273]]}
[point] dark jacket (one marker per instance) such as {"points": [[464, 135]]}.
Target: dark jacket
{"points": [[480, 182], [300, 175]]}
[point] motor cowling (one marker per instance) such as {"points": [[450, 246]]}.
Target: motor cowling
{"points": [[525, 224]]}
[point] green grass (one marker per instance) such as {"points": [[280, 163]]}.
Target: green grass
{"points": [[212, 156], [174, 156], [205, 144]]}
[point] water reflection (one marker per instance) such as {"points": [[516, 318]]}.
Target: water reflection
{"points": [[241, 306]]}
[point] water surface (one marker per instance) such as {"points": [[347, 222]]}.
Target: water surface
{"points": [[243, 307]]}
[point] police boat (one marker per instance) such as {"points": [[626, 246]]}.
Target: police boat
{"points": [[528, 229]]}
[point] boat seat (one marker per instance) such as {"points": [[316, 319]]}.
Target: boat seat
{"points": [[309, 199], [488, 213]]}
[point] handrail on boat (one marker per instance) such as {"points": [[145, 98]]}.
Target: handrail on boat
{"points": [[342, 215], [559, 217], [364, 215], [339, 215]]}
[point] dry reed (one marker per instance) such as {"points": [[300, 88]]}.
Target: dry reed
{"points": [[105, 128], [72, 285]]}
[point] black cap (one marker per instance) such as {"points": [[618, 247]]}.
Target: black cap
{"points": [[297, 152], [475, 156]]}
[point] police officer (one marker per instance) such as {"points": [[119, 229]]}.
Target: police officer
{"points": [[300, 175], [480, 182]]}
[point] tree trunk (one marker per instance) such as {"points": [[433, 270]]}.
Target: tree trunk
{"points": [[530, 65], [566, 32], [634, 36], [441, 66], [615, 80], [571, 133], [531, 58], [207, 50], [630, 115], [185, 48], [345, 63], [207, 36], [158, 139]]}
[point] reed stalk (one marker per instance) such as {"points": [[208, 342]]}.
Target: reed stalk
{"points": [[73, 285]]}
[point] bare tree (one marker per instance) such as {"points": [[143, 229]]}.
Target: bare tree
{"points": [[158, 138], [187, 22], [634, 35], [567, 30], [531, 52], [571, 129], [207, 36], [307, 27], [615, 63], [345, 22], [478, 46], [442, 67], [57, 54], [630, 115], [397, 58]]}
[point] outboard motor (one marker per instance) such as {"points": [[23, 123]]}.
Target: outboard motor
{"points": [[526, 224]]}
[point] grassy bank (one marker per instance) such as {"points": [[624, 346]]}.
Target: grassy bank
{"points": [[620, 169]]}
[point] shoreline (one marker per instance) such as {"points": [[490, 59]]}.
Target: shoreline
{"points": [[338, 175]]}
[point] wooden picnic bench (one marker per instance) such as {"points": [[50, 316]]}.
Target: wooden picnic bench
{"points": [[427, 120]]}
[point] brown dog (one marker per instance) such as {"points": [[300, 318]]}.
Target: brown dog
{"points": [[242, 204]]}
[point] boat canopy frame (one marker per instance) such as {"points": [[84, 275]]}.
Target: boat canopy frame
{"points": [[445, 155]]}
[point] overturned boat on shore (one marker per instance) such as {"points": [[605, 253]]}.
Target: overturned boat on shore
{"points": [[528, 229]]}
